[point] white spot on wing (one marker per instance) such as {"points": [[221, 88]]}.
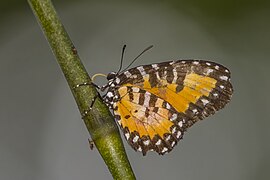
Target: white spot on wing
{"points": [[171, 63], [140, 148], [127, 135], [174, 117], [174, 130], [208, 64], [195, 62], [222, 87], [158, 142], [127, 73], [142, 71], [180, 123], [135, 89], [134, 76], [174, 76], [217, 67], [164, 150], [141, 110], [209, 71], [225, 78], [168, 138], [205, 101], [135, 139], [117, 80], [178, 134], [194, 111], [165, 74], [155, 66], [146, 99], [109, 94], [147, 142], [158, 77]]}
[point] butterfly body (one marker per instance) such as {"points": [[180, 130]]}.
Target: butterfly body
{"points": [[155, 104]]}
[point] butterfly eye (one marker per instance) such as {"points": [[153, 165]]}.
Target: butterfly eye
{"points": [[111, 75]]}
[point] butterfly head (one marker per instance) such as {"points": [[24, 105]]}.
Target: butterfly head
{"points": [[111, 76]]}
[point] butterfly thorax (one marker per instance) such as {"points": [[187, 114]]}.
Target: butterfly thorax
{"points": [[111, 95]]}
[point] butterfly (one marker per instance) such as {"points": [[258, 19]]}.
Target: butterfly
{"points": [[155, 104]]}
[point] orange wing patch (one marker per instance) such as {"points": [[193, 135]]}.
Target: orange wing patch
{"points": [[194, 87], [137, 119]]}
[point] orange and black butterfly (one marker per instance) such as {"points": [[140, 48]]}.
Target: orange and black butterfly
{"points": [[155, 104]]}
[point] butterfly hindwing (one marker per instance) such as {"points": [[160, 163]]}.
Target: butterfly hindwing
{"points": [[148, 122]]}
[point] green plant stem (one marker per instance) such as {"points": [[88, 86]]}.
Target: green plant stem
{"points": [[99, 120]]}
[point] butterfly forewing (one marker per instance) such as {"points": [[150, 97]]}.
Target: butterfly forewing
{"points": [[154, 104]]}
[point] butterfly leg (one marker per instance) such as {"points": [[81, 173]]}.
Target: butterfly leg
{"points": [[101, 88], [94, 100], [87, 84], [91, 105]]}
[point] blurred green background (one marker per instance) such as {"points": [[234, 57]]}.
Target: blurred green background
{"points": [[41, 133]]}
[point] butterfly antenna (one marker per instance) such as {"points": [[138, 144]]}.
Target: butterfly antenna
{"points": [[122, 57], [146, 49]]}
